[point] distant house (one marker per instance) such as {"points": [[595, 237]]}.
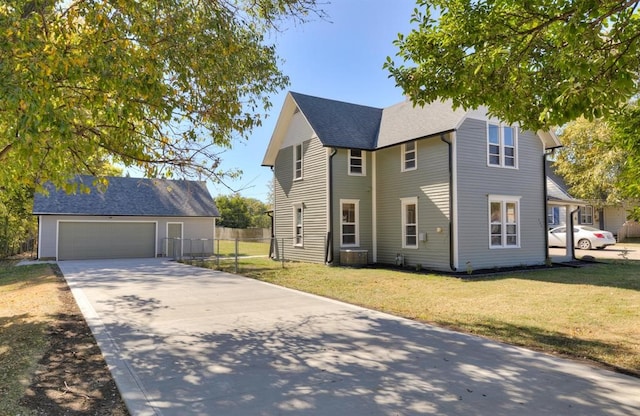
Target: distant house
{"points": [[430, 186], [560, 202], [610, 217], [132, 217]]}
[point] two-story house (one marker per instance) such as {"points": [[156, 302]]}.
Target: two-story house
{"points": [[430, 186]]}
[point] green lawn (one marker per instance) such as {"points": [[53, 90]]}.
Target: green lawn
{"points": [[226, 248], [590, 312]]}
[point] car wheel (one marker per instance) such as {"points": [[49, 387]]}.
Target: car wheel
{"points": [[584, 244]]}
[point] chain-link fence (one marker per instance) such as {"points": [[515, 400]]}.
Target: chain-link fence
{"points": [[246, 253], [224, 254]]}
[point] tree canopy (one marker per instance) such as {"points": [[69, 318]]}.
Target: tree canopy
{"points": [[237, 211], [163, 86], [591, 161], [538, 62]]}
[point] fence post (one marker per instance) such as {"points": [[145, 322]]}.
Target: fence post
{"points": [[217, 252], [236, 254]]}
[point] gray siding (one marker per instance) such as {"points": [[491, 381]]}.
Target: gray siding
{"points": [[359, 188], [193, 228], [430, 184], [310, 191], [476, 180]]}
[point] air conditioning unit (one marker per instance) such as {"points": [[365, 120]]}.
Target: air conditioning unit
{"points": [[354, 257]]}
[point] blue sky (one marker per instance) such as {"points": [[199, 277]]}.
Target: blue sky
{"points": [[340, 59]]}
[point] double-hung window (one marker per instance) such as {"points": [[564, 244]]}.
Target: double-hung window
{"points": [[409, 222], [298, 228], [357, 163], [349, 233], [297, 161], [504, 221], [586, 215], [502, 146], [409, 156]]}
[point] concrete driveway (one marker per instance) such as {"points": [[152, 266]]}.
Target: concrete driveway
{"points": [[187, 341], [620, 251]]}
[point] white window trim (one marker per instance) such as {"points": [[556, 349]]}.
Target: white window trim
{"points": [[403, 151], [501, 145], [295, 225], [356, 203], [297, 155], [404, 202], [583, 215], [503, 200], [362, 157]]}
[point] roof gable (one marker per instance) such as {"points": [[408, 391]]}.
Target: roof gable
{"points": [[130, 196], [557, 189], [340, 124], [404, 121], [345, 125]]}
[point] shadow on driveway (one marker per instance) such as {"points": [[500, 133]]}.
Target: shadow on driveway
{"points": [[183, 340]]}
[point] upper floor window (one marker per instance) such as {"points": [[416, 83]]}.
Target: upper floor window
{"points": [[409, 156], [501, 145], [357, 163], [298, 221], [349, 223], [409, 222], [297, 161], [586, 215], [504, 221]]}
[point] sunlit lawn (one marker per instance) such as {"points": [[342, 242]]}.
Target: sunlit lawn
{"points": [[227, 248], [590, 312]]}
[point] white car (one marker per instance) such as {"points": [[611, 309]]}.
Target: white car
{"points": [[584, 237]]}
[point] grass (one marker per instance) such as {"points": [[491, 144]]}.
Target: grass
{"points": [[587, 313], [28, 296], [226, 248]]}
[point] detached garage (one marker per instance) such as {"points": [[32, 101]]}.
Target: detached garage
{"points": [[131, 218]]}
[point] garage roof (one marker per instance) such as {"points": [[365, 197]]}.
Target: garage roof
{"points": [[130, 196]]}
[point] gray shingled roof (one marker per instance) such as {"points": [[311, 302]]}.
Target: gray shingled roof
{"points": [[340, 124], [131, 196], [404, 121], [346, 125], [557, 189]]}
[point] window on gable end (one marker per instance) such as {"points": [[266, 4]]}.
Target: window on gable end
{"points": [[409, 156], [297, 161], [357, 162], [502, 146]]}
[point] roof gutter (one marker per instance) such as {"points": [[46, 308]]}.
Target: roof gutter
{"points": [[451, 245]]}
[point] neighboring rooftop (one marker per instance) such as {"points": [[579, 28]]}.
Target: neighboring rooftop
{"points": [[557, 189], [130, 196]]}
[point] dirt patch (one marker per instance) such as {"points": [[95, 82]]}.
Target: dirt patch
{"points": [[72, 377]]}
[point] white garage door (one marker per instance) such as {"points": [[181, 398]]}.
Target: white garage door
{"points": [[106, 240]]}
